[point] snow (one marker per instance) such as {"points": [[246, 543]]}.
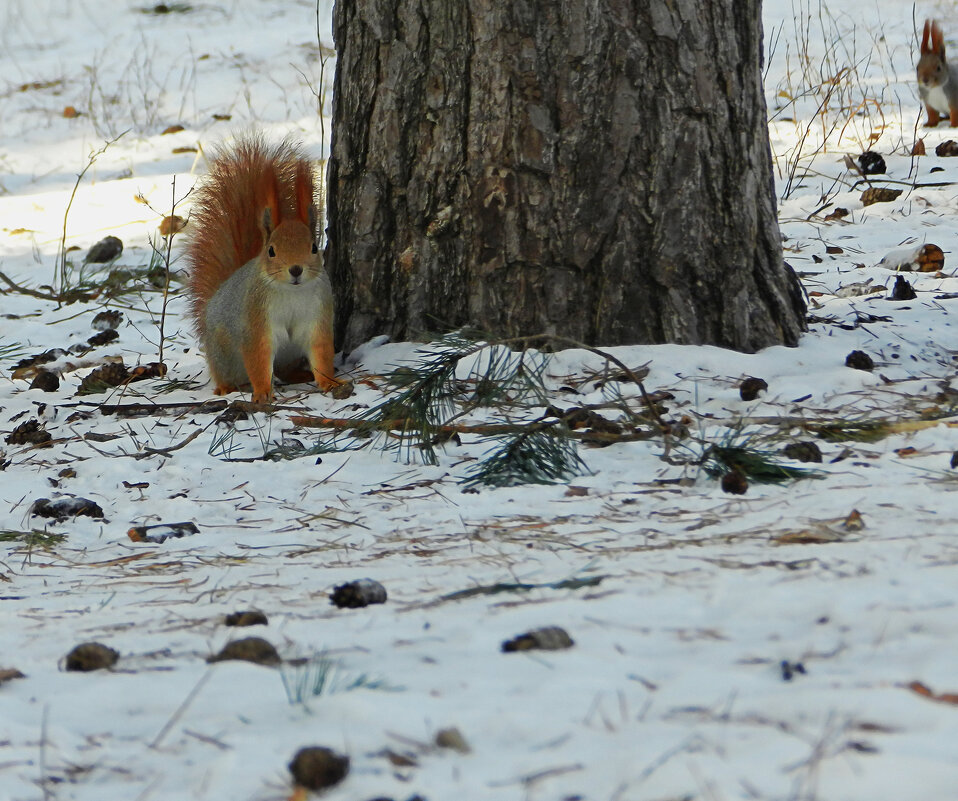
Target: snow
{"points": [[674, 687]]}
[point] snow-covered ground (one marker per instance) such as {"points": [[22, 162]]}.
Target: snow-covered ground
{"points": [[756, 646]]}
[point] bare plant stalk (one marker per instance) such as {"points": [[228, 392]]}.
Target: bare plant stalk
{"points": [[60, 271], [848, 103], [166, 277], [190, 697], [322, 71], [574, 343], [323, 58]]}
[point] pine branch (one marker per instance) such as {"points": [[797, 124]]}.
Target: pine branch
{"points": [[542, 455], [430, 396], [757, 465], [425, 401], [627, 371]]}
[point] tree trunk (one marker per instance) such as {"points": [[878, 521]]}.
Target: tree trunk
{"points": [[598, 169]]}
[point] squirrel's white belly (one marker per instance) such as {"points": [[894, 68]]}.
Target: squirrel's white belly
{"points": [[293, 314], [936, 98]]}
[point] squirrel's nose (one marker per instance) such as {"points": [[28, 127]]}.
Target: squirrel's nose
{"points": [[295, 271]]}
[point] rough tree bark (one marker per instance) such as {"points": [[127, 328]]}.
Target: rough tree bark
{"points": [[594, 168]]}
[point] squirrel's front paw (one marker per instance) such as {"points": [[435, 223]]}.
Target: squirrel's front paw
{"points": [[325, 382], [263, 390]]}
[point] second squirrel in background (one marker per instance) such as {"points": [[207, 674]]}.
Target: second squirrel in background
{"points": [[260, 297], [937, 80]]}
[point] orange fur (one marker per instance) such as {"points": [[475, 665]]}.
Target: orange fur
{"points": [[304, 193], [258, 357], [937, 78], [322, 358], [228, 209], [255, 214]]}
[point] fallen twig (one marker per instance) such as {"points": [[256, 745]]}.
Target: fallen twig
{"points": [[482, 429]]}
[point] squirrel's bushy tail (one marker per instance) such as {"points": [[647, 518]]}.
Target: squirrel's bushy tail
{"points": [[227, 217]]}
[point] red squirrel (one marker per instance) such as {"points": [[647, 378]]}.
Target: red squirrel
{"points": [[937, 79], [260, 297]]}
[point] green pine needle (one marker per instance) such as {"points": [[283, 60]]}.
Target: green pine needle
{"points": [[323, 675], [539, 456], [32, 539], [426, 399], [428, 394], [757, 465], [864, 431]]}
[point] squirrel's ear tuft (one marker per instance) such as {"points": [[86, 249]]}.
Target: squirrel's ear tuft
{"points": [[267, 222], [271, 194], [304, 194], [937, 38]]}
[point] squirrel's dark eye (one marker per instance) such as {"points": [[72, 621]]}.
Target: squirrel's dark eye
{"points": [[315, 248], [272, 252]]}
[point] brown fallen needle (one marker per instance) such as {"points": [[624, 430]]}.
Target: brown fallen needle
{"points": [[482, 429]]}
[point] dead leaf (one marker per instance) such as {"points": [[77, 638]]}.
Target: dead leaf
{"points": [[854, 521], [172, 225], [400, 760], [36, 85], [808, 536], [926, 691], [151, 370], [879, 194], [452, 738], [904, 452], [870, 726], [10, 673]]}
